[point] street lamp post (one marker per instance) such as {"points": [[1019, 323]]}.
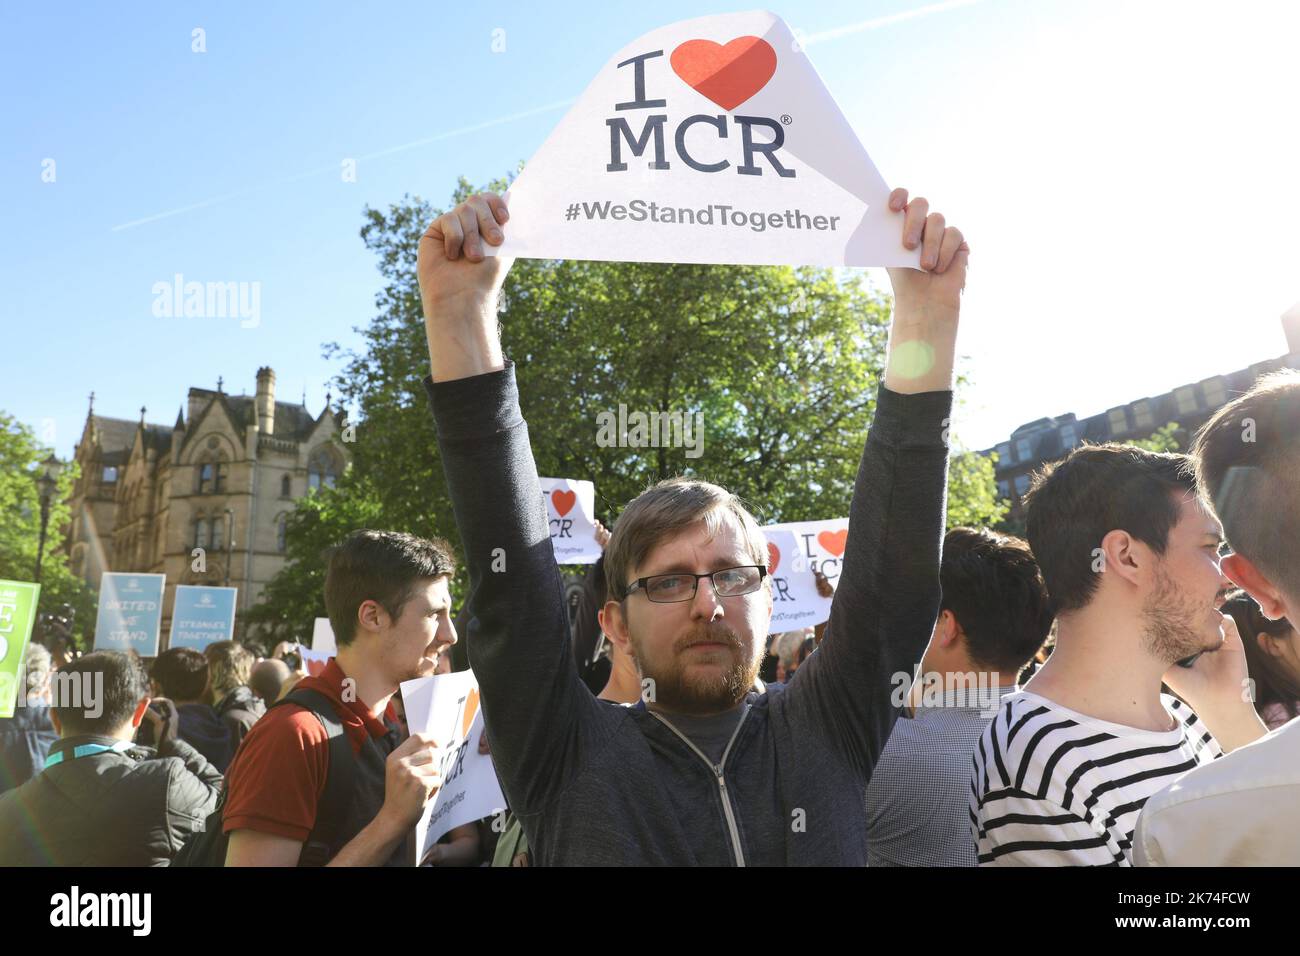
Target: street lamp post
{"points": [[48, 483], [230, 542]]}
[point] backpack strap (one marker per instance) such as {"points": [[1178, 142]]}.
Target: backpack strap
{"points": [[340, 778]]}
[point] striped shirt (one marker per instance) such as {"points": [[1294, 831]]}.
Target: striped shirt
{"points": [[1053, 787]]}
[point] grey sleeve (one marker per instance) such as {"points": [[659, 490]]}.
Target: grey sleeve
{"points": [[887, 596], [538, 714]]}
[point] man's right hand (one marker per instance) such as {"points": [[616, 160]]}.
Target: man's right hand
{"points": [[410, 778], [459, 286]]}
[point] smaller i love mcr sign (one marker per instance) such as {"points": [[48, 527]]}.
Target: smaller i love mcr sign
{"points": [[710, 140], [570, 515]]}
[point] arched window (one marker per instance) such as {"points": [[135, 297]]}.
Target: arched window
{"points": [[323, 468], [282, 533], [218, 534], [201, 533], [285, 487], [211, 476]]}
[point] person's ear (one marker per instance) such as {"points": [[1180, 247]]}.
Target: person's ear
{"points": [[1268, 645], [371, 617], [1122, 555], [140, 708], [947, 630], [1242, 572], [614, 623]]}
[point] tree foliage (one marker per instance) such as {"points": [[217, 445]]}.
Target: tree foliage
{"points": [[781, 363], [20, 461]]}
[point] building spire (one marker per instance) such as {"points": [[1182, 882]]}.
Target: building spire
{"points": [[92, 404], [219, 381], [142, 411], [180, 420]]}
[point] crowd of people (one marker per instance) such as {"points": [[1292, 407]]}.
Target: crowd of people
{"points": [[1118, 688]]}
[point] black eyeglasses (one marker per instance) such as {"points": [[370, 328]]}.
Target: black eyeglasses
{"points": [[681, 585]]}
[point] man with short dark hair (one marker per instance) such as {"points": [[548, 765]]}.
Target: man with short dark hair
{"points": [[102, 800], [1244, 810], [993, 618], [702, 769], [180, 680], [388, 601], [1130, 555]]}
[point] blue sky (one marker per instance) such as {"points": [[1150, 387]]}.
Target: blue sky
{"points": [[1126, 174]]}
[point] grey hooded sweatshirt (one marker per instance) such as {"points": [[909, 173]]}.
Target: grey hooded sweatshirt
{"points": [[595, 784]]}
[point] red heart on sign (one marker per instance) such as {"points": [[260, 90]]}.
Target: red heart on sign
{"points": [[773, 557], [729, 74], [471, 708], [834, 541], [563, 500]]}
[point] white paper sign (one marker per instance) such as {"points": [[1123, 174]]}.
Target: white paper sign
{"points": [[446, 707], [314, 661], [571, 512], [795, 601], [322, 636], [820, 543], [710, 140]]}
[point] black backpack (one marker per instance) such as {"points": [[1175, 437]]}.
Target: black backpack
{"points": [[207, 847]]}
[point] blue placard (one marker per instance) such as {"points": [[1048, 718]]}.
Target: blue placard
{"points": [[202, 616], [130, 612]]}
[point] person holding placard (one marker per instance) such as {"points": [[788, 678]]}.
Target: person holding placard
{"points": [[390, 609], [702, 770]]}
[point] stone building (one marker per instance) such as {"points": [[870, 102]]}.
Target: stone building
{"points": [[223, 479]]}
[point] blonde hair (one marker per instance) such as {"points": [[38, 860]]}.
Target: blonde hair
{"points": [[230, 665]]}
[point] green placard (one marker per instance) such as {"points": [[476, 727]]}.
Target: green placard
{"points": [[17, 615]]}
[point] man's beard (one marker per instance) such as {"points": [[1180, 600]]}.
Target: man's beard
{"points": [[1175, 626], [698, 695]]}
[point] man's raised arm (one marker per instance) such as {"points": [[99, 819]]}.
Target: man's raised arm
{"points": [[533, 701], [887, 596]]}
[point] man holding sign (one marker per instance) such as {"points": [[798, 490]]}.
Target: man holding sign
{"points": [[288, 802], [702, 771]]}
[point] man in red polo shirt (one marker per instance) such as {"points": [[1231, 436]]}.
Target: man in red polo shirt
{"points": [[388, 602]]}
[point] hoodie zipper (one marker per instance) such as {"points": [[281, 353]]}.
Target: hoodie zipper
{"points": [[722, 781]]}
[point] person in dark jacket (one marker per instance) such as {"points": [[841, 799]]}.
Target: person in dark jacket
{"points": [[180, 674], [702, 770], [102, 800], [25, 738], [230, 668]]}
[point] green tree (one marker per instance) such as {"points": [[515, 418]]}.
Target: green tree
{"points": [[1165, 438], [781, 364], [973, 500], [20, 460], [294, 598]]}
